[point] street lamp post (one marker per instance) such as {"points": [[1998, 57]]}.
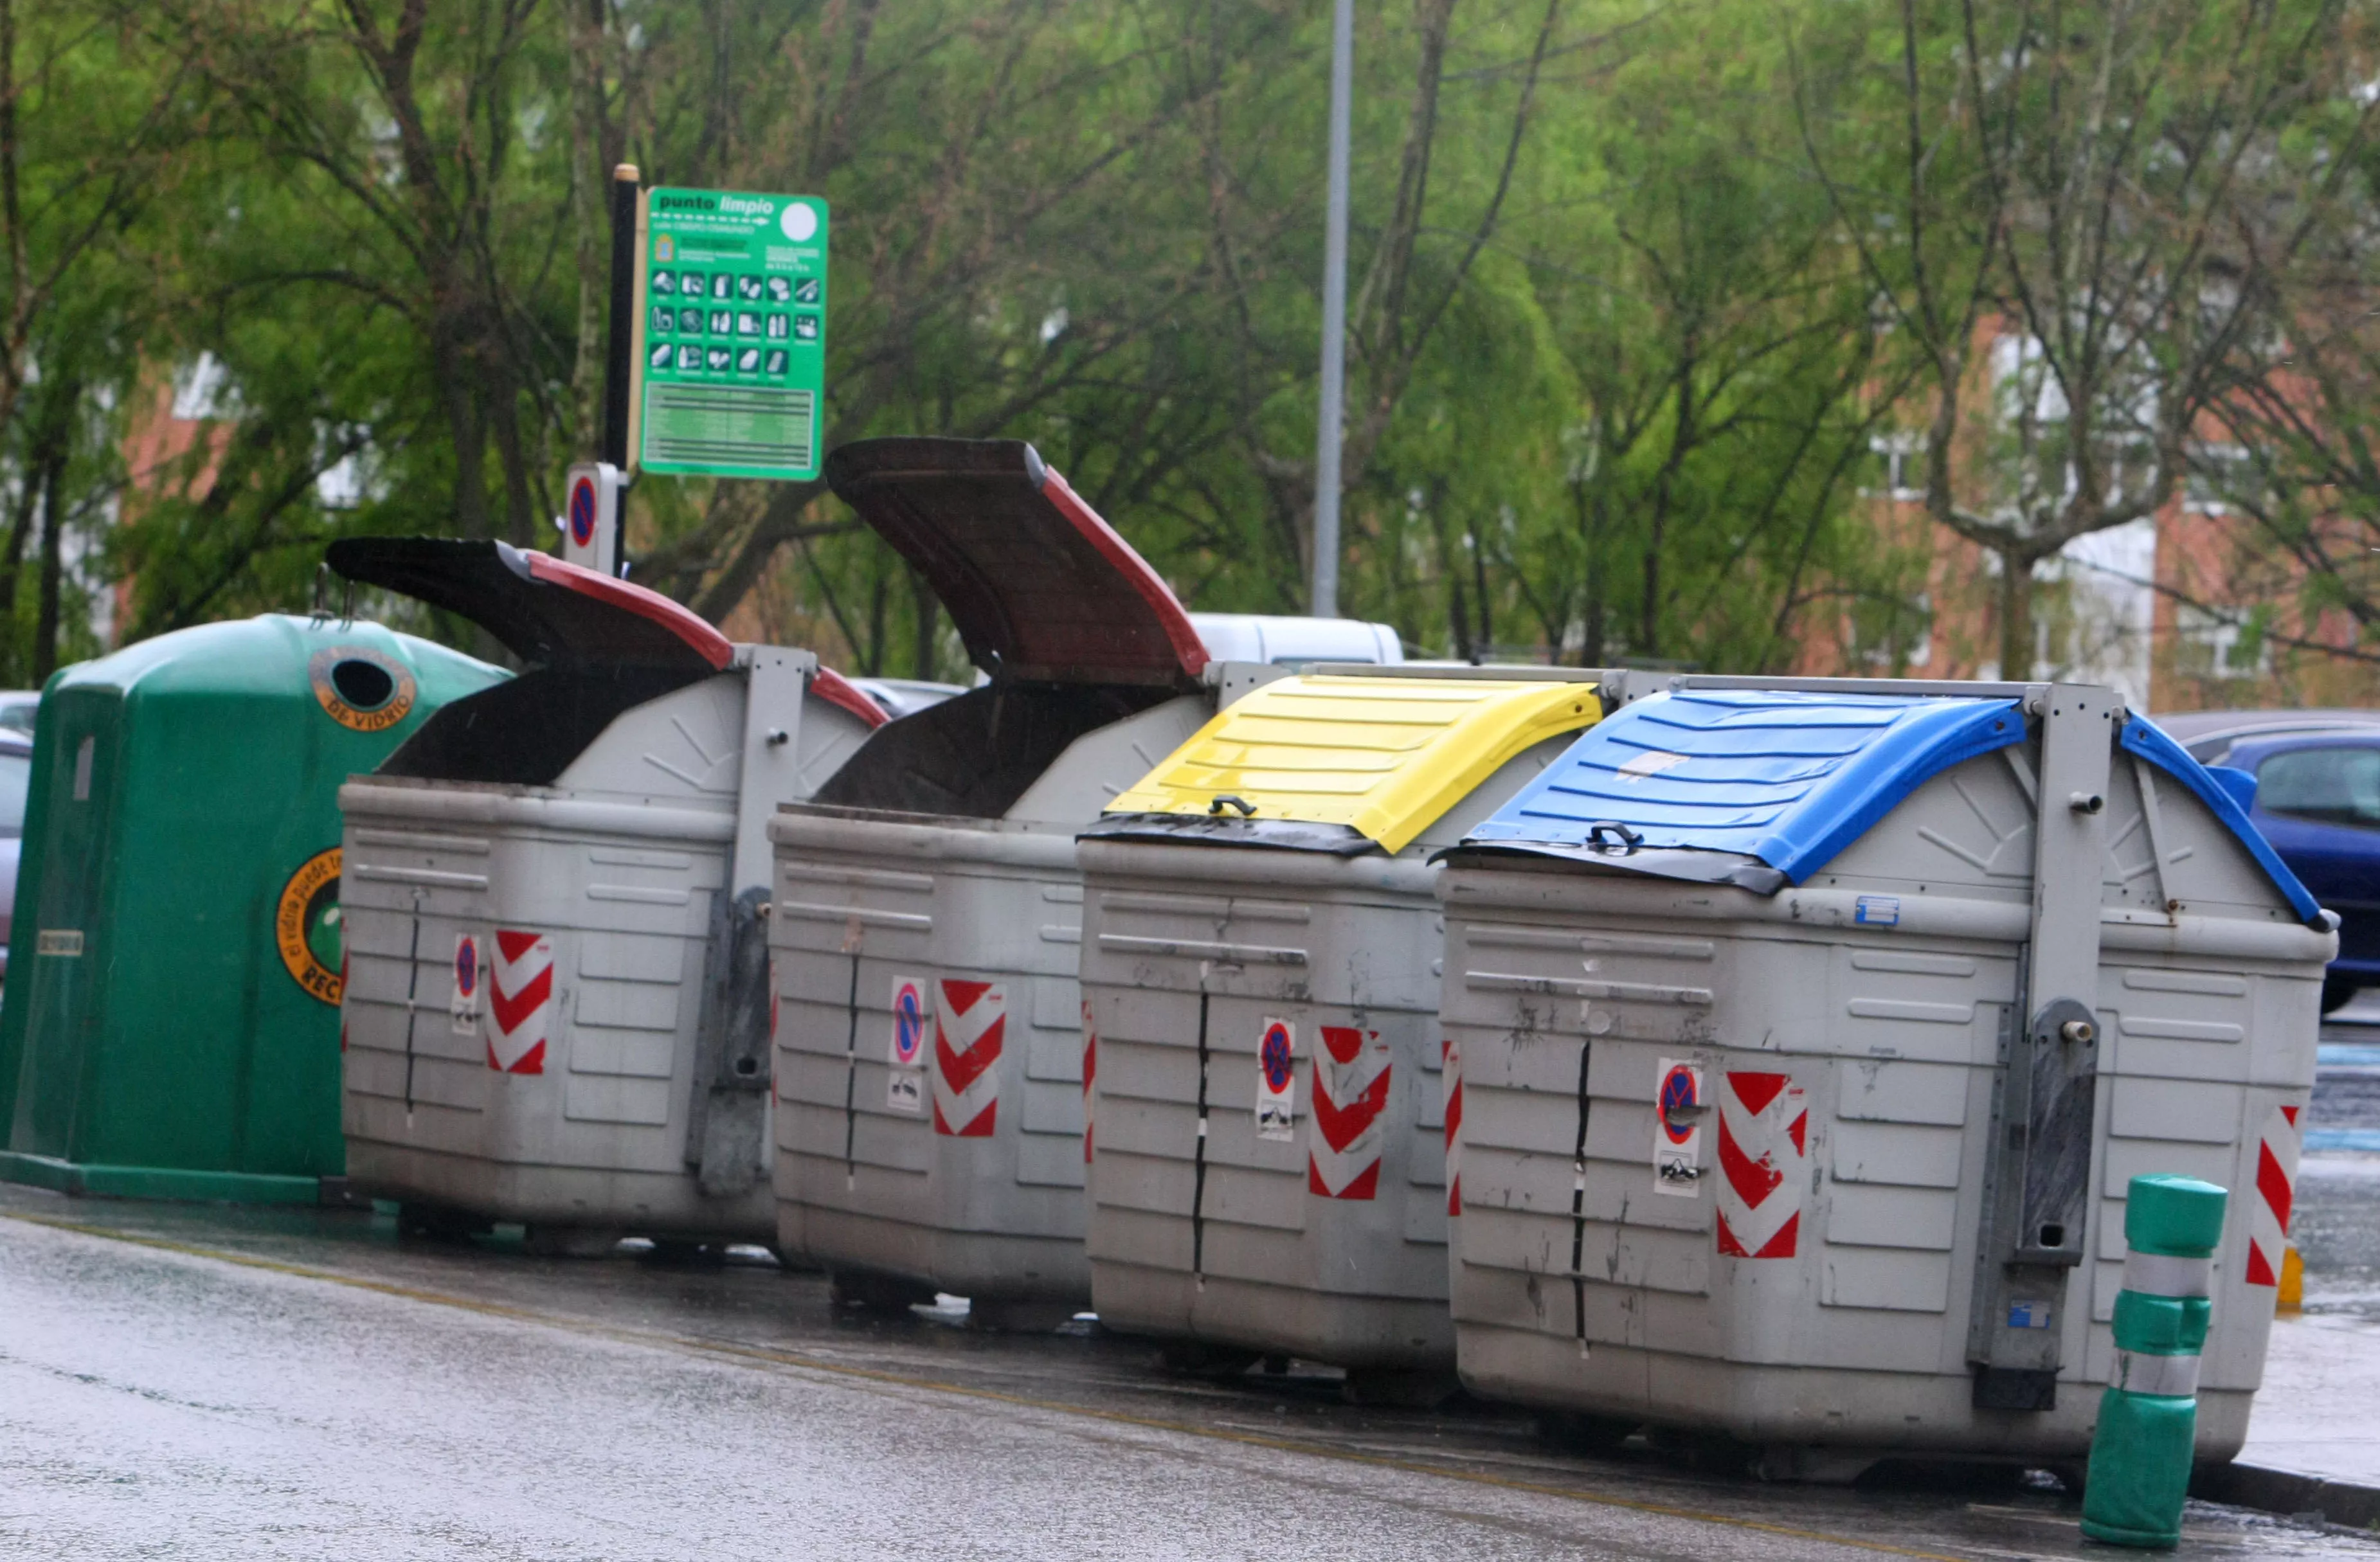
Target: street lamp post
{"points": [[1332, 424]]}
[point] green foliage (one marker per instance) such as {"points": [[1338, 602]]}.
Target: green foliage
{"points": [[1634, 288]]}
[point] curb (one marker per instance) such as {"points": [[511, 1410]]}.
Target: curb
{"points": [[2285, 1492]]}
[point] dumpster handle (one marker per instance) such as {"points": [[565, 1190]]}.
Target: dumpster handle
{"points": [[1227, 800], [1625, 839]]}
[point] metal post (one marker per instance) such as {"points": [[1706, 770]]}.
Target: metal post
{"points": [[626, 182], [1334, 318]]}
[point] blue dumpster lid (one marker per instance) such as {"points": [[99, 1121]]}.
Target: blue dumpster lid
{"points": [[1762, 787], [2152, 743], [1788, 779]]}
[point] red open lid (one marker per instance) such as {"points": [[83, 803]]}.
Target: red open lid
{"points": [[543, 610], [1039, 587]]}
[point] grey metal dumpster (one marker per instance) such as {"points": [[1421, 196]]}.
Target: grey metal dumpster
{"points": [[557, 1004], [928, 908], [1260, 938], [1808, 1036]]}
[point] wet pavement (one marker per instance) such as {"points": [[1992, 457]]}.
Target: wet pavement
{"points": [[2319, 1410], [208, 1382]]}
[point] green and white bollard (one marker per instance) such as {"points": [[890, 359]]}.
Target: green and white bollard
{"points": [[2149, 1418]]}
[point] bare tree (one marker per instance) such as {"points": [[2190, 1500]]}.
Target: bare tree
{"points": [[2060, 236]]}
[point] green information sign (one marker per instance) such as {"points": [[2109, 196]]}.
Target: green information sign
{"points": [[731, 333]]}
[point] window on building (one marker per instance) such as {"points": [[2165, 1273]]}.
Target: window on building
{"points": [[2215, 478], [1893, 633], [1896, 466], [2220, 643], [2330, 785]]}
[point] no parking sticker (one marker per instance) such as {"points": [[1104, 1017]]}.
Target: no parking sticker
{"points": [[1678, 1130], [905, 1090], [908, 1022], [471, 976], [1276, 1079]]}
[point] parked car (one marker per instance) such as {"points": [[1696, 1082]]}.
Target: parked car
{"points": [[15, 776], [904, 696], [17, 709], [1296, 642], [2317, 800]]}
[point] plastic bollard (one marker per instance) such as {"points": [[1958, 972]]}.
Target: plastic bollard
{"points": [[2148, 1417], [2292, 1297]]}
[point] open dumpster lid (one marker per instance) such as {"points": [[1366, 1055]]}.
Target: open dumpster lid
{"points": [[543, 610], [1039, 587], [1379, 757]]}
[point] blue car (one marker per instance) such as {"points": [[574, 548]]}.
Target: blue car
{"points": [[2318, 801]]}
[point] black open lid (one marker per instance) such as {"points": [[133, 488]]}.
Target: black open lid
{"points": [[545, 610], [1039, 587]]}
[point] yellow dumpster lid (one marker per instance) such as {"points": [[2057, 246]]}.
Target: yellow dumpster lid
{"points": [[1383, 756]]}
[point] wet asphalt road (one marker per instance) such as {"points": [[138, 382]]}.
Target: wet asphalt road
{"points": [[189, 1382], [207, 1382]]}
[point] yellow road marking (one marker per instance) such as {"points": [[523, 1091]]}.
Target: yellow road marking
{"points": [[902, 1380]]}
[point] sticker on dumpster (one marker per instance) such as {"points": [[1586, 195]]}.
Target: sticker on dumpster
{"points": [[306, 927], [1764, 1143], [522, 1001], [1877, 911], [2029, 1315], [1276, 1079], [904, 1091], [908, 1022], [470, 974], [1350, 1090], [1678, 1131], [1451, 1078], [359, 688], [2268, 1213], [1090, 1072], [970, 1023]]}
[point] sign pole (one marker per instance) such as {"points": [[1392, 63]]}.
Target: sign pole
{"points": [[618, 363]]}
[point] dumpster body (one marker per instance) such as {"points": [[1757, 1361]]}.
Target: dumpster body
{"points": [[172, 1024], [927, 911], [1808, 1039], [1293, 1204], [558, 1006]]}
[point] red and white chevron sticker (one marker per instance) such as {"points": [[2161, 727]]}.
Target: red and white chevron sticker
{"points": [[520, 1001], [1764, 1139], [1453, 1080], [970, 1024], [1090, 1072], [1350, 1090], [2277, 1180]]}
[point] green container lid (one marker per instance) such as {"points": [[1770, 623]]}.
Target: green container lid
{"points": [[2180, 1216]]}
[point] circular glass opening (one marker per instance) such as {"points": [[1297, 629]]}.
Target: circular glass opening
{"points": [[363, 685]]}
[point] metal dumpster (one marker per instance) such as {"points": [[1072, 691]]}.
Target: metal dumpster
{"points": [[1259, 966], [172, 1024], [557, 1008], [1809, 1033], [927, 906]]}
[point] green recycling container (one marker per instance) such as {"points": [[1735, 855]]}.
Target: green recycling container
{"points": [[170, 1027]]}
